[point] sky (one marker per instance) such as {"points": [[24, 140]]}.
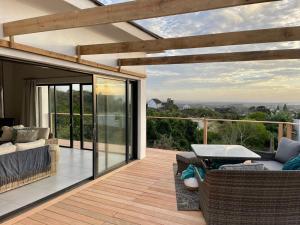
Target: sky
{"points": [[259, 81]]}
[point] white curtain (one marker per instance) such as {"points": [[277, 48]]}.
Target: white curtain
{"points": [[30, 109]]}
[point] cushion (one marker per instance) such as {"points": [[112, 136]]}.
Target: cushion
{"points": [[26, 135], [242, 166], [7, 134], [292, 164], [187, 157], [191, 183], [287, 149], [43, 133], [272, 165], [188, 173], [7, 148], [30, 145]]}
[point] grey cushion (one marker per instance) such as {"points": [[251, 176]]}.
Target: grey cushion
{"points": [[272, 165], [241, 166], [187, 157], [287, 149], [26, 135]]}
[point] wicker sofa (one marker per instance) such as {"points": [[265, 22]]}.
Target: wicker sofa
{"points": [[250, 197], [54, 150]]}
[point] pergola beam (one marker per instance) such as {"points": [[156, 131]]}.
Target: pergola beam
{"points": [[142, 9], [211, 58], [210, 40]]}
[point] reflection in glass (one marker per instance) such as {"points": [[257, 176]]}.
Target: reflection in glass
{"points": [[111, 122], [62, 97], [87, 117]]}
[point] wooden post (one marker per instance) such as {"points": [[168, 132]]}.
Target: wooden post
{"points": [[78, 53], [11, 41], [205, 130], [280, 132], [289, 131]]}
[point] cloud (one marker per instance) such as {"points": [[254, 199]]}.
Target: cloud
{"points": [[240, 81]]}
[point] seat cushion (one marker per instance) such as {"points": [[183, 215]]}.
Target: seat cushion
{"points": [[258, 166], [7, 148], [187, 157], [30, 145], [272, 165], [287, 149]]}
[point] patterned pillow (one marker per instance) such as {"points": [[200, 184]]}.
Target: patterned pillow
{"points": [[7, 134], [25, 135]]}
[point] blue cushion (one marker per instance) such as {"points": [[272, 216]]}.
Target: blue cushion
{"points": [[188, 173], [292, 164]]}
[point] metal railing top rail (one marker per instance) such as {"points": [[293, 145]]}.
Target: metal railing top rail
{"points": [[221, 120]]}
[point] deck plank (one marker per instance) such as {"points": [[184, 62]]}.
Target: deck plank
{"points": [[140, 193]]}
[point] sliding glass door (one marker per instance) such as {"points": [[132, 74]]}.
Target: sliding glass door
{"points": [[71, 115], [110, 118]]}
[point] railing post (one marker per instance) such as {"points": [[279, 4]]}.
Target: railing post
{"points": [[280, 132], [205, 129], [289, 131]]}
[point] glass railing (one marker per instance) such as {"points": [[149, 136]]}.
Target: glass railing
{"points": [[179, 133]]}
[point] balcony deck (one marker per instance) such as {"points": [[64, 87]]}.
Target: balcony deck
{"points": [[142, 192]]}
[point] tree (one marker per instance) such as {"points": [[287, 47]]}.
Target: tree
{"points": [[285, 108]]}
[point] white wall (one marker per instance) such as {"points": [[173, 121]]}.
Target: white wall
{"points": [[142, 142]]}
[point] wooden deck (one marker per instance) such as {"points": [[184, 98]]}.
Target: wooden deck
{"points": [[142, 192]]}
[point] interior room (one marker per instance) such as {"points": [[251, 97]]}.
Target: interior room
{"points": [[59, 95]]}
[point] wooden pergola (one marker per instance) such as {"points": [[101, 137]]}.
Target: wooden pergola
{"points": [[145, 9]]}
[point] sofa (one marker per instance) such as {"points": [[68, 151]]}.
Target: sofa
{"points": [[26, 156], [270, 196]]}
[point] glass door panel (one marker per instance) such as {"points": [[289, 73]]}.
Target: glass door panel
{"points": [[63, 114], [87, 116], [110, 99], [76, 116]]}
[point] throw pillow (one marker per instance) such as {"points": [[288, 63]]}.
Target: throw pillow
{"points": [[242, 166], [191, 184], [30, 145], [188, 173], [287, 149], [26, 135], [43, 133], [292, 164], [7, 134]]}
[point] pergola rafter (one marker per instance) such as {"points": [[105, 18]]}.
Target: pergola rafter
{"points": [[200, 41], [211, 58], [142, 9]]}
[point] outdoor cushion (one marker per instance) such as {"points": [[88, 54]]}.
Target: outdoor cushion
{"points": [[30, 145], [287, 149], [188, 173], [7, 148], [187, 157], [292, 164], [191, 183], [272, 165], [26, 135], [242, 166]]}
